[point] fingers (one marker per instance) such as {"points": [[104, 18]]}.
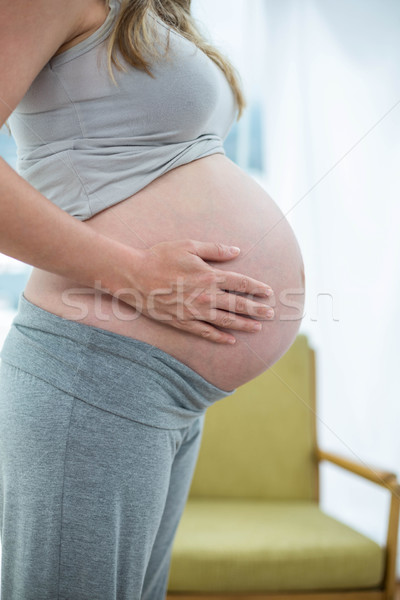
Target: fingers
{"points": [[228, 320], [213, 251], [205, 326], [245, 306], [236, 282]]}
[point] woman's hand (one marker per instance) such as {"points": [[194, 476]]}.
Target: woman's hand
{"points": [[170, 282], [175, 285]]}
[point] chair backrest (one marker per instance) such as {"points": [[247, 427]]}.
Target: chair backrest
{"points": [[259, 442]]}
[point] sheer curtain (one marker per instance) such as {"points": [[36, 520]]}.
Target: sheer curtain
{"points": [[326, 73]]}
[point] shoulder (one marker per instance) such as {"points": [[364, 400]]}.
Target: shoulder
{"points": [[31, 32]]}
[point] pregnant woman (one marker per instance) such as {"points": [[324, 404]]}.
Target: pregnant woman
{"points": [[136, 316]]}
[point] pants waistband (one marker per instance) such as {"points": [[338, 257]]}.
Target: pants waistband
{"points": [[122, 375]]}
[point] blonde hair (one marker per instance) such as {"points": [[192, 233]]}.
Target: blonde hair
{"points": [[132, 37]]}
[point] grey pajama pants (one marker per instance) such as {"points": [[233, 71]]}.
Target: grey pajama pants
{"points": [[99, 437]]}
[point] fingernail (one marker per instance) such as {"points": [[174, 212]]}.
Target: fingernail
{"points": [[234, 250]]}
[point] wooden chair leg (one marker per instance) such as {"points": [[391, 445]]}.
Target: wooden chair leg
{"points": [[391, 546]]}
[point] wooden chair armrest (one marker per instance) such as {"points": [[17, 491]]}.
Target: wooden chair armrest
{"points": [[379, 476], [389, 481]]}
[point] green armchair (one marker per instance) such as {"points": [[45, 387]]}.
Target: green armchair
{"points": [[252, 526]]}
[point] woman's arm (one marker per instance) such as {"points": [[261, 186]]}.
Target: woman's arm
{"points": [[39, 233]]}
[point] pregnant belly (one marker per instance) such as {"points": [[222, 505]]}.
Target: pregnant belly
{"points": [[211, 200]]}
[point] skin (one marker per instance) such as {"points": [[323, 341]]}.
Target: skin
{"points": [[234, 209], [211, 200]]}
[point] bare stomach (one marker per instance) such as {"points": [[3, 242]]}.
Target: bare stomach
{"points": [[212, 200]]}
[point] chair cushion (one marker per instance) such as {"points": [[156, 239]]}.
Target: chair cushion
{"points": [[259, 442], [255, 545]]}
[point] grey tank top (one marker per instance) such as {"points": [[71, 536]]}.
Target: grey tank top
{"points": [[86, 143]]}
